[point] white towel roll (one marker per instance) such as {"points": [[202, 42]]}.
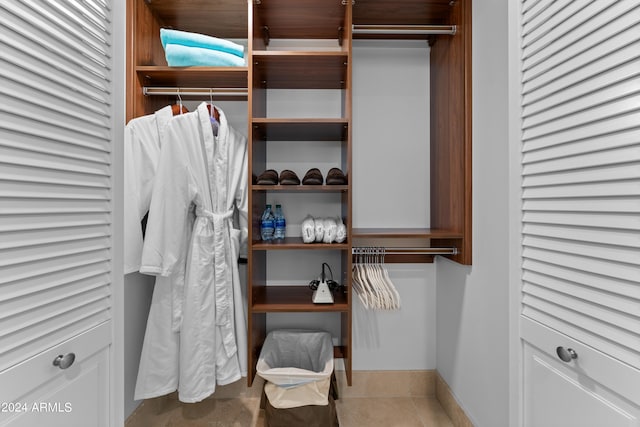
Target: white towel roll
{"points": [[308, 230], [341, 231], [330, 229], [319, 227]]}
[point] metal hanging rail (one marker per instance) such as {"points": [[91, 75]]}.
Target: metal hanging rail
{"points": [[400, 30], [196, 91], [375, 250]]}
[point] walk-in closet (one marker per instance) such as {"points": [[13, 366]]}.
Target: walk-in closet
{"points": [[455, 195], [298, 88]]}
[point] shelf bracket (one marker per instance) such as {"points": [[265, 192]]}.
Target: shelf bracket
{"points": [[265, 35]]}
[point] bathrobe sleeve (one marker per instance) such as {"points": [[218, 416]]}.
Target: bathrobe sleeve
{"points": [[241, 194], [141, 152], [173, 192]]}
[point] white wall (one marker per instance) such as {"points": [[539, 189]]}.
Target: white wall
{"points": [[390, 178], [473, 302], [138, 290], [391, 189]]}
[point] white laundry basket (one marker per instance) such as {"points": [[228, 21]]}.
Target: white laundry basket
{"points": [[297, 366]]}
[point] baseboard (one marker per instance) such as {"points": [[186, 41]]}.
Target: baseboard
{"points": [[368, 384], [450, 404]]}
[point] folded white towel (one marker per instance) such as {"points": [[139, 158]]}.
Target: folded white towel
{"points": [[178, 55], [184, 38]]}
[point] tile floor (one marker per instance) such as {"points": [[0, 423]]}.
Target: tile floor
{"points": [[376, 399]]}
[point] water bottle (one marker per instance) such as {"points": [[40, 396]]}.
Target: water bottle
{"points": [[281, 224], [267, 224]]}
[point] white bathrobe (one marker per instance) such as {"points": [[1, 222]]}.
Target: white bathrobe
{"points": [[142, 140], [209, 174]]}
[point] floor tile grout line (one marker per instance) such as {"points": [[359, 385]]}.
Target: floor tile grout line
{"points": [[417, 412]]}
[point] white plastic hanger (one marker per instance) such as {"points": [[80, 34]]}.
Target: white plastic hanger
{"points": [[214, 123], [371, 281]]}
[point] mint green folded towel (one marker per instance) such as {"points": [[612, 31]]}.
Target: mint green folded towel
{"points": [[186, 56], [184, 38]]}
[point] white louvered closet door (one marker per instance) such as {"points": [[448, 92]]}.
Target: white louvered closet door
{"points": [[56, 203], [580, 94]]}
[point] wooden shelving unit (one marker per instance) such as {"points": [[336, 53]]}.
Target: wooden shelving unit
{"points": [[262, 23], [297, 69]]}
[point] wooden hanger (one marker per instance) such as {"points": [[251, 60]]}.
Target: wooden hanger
{"points": [[216, 115], [178, 109]]}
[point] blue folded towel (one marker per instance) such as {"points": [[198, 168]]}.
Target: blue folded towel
{"points": [[186, 56], [184, 38]]}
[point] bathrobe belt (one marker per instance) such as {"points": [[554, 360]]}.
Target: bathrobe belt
{"points": [[222, 264]]}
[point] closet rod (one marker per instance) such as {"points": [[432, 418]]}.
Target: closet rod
{"points": [[403, 29], [376, 250], [195, 91]]}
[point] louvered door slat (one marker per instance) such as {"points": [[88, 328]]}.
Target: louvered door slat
{"points": [[56, 185], [626, 289], [612, 236], [560, 41], [37, 16], [612, 253], [593, 204], [612, 301], [583, 93]]}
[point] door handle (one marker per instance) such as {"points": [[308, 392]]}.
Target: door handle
{"points": [[64, 361], [566, 354]]}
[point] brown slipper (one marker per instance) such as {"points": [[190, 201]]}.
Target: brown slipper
{"points": [[288, 177], [313, 177], [268, 177], [336, 177]]}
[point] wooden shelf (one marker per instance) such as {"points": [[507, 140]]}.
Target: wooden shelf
{"points": [[274, 299], [405, 237], [409, 12], [404, 233], [300, 19], [296, 243], [220, 18], [299, 129], [225, 77], [300, 69], [302, 188]]}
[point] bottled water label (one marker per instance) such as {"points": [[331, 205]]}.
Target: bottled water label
{"points": [[280, 228], [267, 228]]}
